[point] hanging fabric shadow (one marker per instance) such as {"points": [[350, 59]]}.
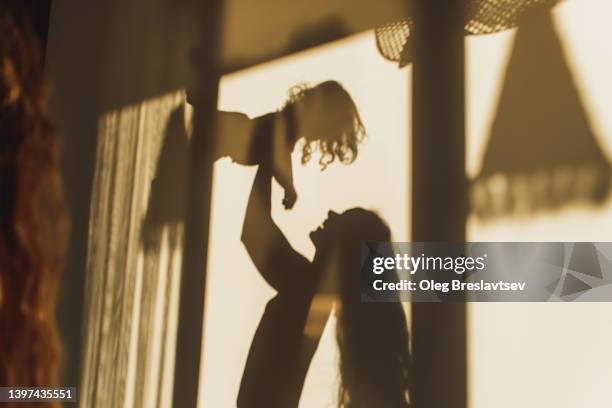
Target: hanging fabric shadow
{"points": [[542, 153]]}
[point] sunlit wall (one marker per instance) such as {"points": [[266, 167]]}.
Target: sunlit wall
{"points": [[378, 180], [543, 355]]}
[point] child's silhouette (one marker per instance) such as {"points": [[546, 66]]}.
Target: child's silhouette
{"points": [[323, 117]]}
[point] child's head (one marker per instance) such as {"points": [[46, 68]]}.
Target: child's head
{"points": [[326, 117]]}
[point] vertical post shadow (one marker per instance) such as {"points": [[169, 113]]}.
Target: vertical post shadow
{"points": [[199, 192], [439, 194]]}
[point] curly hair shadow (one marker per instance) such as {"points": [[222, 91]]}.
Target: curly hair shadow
{"points": [[350, 132]]}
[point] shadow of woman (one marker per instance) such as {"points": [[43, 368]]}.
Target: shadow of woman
{"points": [[323, 117], [372, 337]]}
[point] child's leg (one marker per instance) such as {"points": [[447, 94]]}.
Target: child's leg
{"points": [[283, 173]]}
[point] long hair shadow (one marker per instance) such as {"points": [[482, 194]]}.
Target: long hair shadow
{"points": [[375, 363], [373, 340]]}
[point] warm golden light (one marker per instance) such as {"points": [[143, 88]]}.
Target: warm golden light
{"points": [[542, 354], [377, 180]]}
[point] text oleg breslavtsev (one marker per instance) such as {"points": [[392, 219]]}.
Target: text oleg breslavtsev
{"points": [[454, 285]]}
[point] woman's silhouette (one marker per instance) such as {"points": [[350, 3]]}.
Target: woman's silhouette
{"points": [[372, 337]]}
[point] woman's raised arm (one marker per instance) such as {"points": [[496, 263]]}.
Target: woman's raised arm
{"points": [[277, 261]]}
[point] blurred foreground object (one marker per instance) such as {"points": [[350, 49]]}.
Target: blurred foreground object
{"points": [[33, 222]]}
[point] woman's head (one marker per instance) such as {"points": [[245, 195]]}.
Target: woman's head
{"points": [[326, 118], [32, 219], [372, 337]]}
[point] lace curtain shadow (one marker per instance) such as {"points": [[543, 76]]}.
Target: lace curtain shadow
{"points": [[133, 272]]}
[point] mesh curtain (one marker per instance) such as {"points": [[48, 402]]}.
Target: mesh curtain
{"points": [[484, 17]]}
